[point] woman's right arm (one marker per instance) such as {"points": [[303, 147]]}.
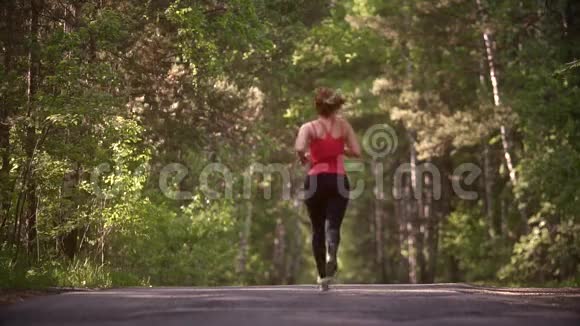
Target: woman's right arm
{"points": [[301, 144]]}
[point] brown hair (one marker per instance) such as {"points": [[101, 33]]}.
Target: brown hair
{"points": [[327, 101]]}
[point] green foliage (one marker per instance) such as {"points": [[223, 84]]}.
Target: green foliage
{"points": [[465, 237], [77, 274], [210, 38], [190, 246], [13, 275], [550, 252]]}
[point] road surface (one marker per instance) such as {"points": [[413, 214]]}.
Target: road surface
{"points": [[345, 305]]}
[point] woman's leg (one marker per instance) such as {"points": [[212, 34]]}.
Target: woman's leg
{"points": [[316, 211], [335, 210]]}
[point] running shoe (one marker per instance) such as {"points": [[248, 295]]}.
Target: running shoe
{"points": [[324, 283]]}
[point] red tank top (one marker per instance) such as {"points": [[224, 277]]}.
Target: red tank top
{"points": [[326, 153]]}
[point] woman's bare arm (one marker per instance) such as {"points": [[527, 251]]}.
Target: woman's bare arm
{"points": [[352, 146], [301, 144]]}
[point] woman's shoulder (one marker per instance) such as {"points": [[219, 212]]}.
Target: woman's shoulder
{"points": [[312, 125], [342, 120], [308, 124]]}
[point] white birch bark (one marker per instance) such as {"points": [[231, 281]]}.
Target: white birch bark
{"points": [[504, 131], [505, 137]]}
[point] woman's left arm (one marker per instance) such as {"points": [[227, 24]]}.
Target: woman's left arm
{"points": [[352, 145]]}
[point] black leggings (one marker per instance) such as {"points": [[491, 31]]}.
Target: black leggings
{"points": [[326, 200]]}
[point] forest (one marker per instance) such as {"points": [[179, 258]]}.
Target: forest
{"points": [[150, 142]]}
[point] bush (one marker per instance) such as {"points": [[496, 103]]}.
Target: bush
{"points": [[465, 237], [548, 255]]}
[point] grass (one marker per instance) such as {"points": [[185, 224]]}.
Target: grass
{"points": [[76, 274], [569, 283]]}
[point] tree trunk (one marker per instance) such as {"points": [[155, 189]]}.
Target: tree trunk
{"points": [[453, 267], [6, 110], [432, 231], [400, 216], [30, 145], [377, 168], [245, 241], [279, 258], [71, 179], [415, 219], [489, 181], [506, 138], [408, 231], [441, 207], [504, 214], [444, 209], [296, 251]]}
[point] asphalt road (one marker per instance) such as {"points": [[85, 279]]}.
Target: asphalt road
{"points": [[443, 304]]}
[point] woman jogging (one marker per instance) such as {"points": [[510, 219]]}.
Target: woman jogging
{"points": [[322, 144]]}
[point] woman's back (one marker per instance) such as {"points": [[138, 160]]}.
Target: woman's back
{"points": [[327, 140], [327, 146]]}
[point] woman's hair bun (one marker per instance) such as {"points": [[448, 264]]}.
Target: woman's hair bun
{"points": [[328, 100]]}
